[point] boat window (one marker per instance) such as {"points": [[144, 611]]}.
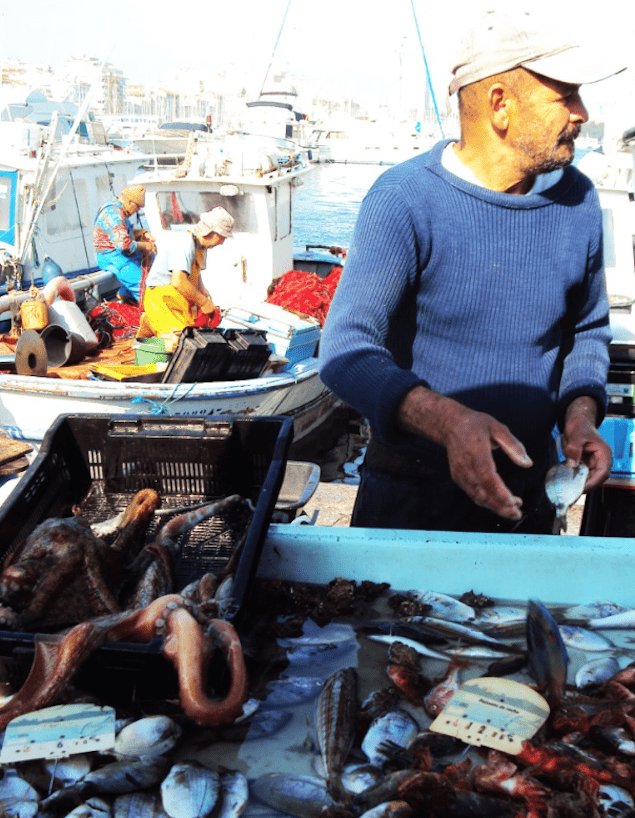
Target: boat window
{"points": [[6, 196], [62, 215], [180, 208]]}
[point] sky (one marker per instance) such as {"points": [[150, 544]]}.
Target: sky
{"points": [[370, 51]]}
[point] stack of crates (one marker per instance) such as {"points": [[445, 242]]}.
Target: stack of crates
{"points": [[609, 511]]}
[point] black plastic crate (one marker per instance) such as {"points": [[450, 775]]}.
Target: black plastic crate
{"points": [[609, 511], [202, 354], [100, 462], [249, 353], [620, 388]]}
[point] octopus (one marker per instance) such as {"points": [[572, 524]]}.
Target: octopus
{"points": [[118, 592]]}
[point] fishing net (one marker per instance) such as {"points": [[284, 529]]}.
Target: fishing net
{"points": [[305, 293]]}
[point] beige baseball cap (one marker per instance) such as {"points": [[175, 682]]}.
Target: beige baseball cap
{"points": [[502, 40], [217, 220]]}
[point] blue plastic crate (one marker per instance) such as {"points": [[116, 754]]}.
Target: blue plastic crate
{"points": [[619, 433]]}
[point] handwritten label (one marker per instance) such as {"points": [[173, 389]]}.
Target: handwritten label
{"points": [[493, 712], [58, 732]]}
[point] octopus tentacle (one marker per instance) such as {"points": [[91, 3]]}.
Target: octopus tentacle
{"points": [[170, 533], [56, 661]]}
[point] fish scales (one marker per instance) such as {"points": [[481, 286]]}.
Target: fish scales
{"points": [[336, 712]]}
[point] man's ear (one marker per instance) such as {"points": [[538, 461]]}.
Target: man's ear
{"points": [[500, 105]]}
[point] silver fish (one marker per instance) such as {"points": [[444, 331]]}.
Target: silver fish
{"points": [[396, 726], [455, 630], [419, 647], [18, 799], [585, 640], [444, 606], [92, 808], [234, 795], [190, 790], [596, 672], [564, 486], [335, 716], [138, 805], [67, 771], [593, 610], [616, 737], [357, 778], [126, 776], [614, 801], [152, 735], [261, 724], [622, 620], [301, 795], [500, 615]]}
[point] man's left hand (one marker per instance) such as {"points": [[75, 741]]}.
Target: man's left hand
{"points": [[581, 441]]}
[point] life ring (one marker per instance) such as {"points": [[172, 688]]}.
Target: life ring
{"points": [[58, 287]]}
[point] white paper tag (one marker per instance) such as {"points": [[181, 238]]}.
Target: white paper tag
{"points": [[496, 713], [58, 732]]}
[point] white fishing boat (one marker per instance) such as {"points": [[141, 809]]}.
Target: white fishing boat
{"points": [[254, 178], [56, 171]]}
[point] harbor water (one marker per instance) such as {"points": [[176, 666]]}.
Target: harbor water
{"points": [[325, 209]]}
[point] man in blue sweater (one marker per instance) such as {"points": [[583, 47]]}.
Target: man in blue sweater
{"points": [[472, 315]]}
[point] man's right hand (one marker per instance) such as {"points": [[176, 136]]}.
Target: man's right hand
{"points": [[469, 438], [208, 306]]}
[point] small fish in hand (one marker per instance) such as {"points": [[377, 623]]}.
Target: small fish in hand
{"points": [[564, 486]]}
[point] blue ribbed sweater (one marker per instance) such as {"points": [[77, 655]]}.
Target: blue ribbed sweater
{"points": [[494, 299]]}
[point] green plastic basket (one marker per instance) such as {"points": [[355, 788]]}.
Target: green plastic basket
{"points": [[150, 351]]}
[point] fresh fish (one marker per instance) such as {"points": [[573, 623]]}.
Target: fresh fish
{"points": [[138, 805], [357, 778], [596, 672], [126, 776], [441, 693], [500, 615], [614, 801], [622, 620], [332, 633], [234, 794], [617, 738], [301, 795], [444, 606], [593, 610], [581, 639], [294, 690], [455, 630], [548, 657], [18, 799], [564, 486], [67, 771], [190, 790], [152, 735], [92, 808], [396, 726], [335, 722], [476, 652], [419, 647]]}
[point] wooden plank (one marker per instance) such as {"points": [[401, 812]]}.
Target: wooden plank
{"points": [[12, 449]]}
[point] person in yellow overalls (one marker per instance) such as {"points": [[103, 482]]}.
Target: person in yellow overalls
{"points": [[175, 294]]}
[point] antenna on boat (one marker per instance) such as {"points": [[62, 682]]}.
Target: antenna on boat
{"points": [[425, 62], [273, 53]]}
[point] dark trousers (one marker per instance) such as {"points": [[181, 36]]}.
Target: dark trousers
{"points": [[433, 502]]}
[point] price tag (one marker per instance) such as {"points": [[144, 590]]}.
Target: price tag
{"points": [[58, 732], [496, 713]]}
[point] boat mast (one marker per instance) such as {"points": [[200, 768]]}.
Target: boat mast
{"points": [[273, 53], [425, 62]]}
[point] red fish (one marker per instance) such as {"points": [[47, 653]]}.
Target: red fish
{"points": [[441, 693]]}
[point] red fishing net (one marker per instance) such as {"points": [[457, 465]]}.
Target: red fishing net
{"points": [[305, 293]]}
